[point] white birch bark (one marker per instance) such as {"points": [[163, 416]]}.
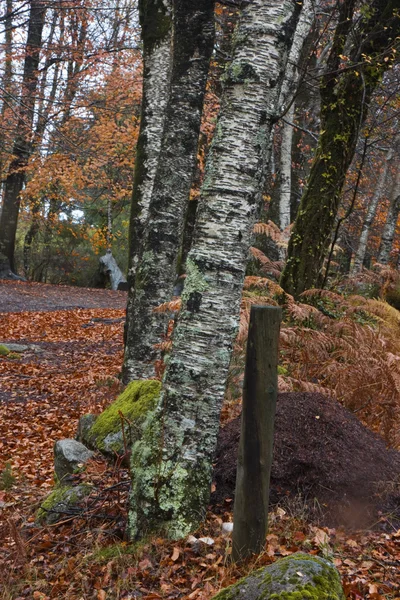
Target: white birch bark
{"points": [[391, 222], [291, 80], [171, 465], [162, 237], [370, 216], [156, 22], [286, 171], [289, 88]]}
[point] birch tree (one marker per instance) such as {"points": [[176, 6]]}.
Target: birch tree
{"points": [[370, 216], [389, 229], [345, 96], [156, 30], [155, 273], [286, 170], [171, 465]]}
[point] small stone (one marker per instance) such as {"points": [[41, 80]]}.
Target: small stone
{"points": [[227, 528], [206, 540], [69, 456], [84, 425]]}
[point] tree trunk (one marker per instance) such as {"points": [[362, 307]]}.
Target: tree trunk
{"points": [[172, 463], [156, 23], [22, 145], [345, 96], [370, 216], [286, 171], [156, 272], [391, 221]]}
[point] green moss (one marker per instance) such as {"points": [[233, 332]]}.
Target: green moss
{"points": [[60, 500], [296, 577], [116, 550], [134, 404], [4, 351]]}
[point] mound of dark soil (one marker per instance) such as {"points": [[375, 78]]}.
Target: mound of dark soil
{"points": [[323, 453]]}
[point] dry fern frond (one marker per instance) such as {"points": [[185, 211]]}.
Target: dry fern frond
{"points": [[285, 384], [269, 229], [268, 266], [171, 306], [345, 347], [326, 294], [252, 281]]}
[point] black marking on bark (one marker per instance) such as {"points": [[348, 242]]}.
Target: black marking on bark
{"points": [[194, 302]]}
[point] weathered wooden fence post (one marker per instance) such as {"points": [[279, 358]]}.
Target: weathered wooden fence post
{"points": [[250, 515]]}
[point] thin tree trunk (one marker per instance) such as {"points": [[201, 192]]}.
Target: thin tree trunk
{"points": [[22, 145], [156, 272], [286, 171], [391, 221], [171, 465], [370, 216], [345, 98]]}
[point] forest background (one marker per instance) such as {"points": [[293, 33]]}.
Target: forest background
{"points": [[76, 134]]}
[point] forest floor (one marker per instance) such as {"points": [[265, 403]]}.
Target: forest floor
{"points": [[70, 367]]}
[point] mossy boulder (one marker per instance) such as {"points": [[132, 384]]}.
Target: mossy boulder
{"points": [[121, 423], [62, 502], [4, 350], [296, 577]]}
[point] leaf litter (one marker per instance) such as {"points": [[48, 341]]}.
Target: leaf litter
{"points": [[86, 555]]}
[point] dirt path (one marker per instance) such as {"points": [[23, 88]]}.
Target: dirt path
{"points": [[18, 296]]}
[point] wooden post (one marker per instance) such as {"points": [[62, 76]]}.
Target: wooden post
{"points": [[250, 517]]}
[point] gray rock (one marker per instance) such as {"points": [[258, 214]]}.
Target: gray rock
{"points": [[62, 502], [84, 425], [69, 455], [299, 576], [21, 347]]}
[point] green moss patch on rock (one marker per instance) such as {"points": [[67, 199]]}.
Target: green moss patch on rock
{"points": [[62, 501], [108, 431], [4, 351], [296, 577]]}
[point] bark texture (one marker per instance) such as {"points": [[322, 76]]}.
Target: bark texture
{"points": [[370, 216], [391, 221], [171, 465], [162, 237], [286, 171], [156, 27], [22, 144], [345, 96]]}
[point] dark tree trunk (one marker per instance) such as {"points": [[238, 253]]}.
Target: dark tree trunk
{"points": [[345, 95], [22, 145]]}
